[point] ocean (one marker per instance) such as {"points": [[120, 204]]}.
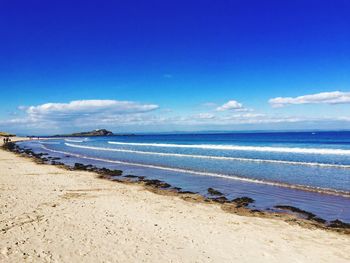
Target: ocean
{"points": [[308, 170]]}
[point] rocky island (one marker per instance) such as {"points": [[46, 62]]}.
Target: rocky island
{"points": [[98, 132]]}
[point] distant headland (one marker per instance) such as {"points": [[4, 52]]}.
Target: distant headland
{"points": [[6, 134], [98, 132]]}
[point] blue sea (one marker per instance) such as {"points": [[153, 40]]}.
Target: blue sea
{"points": [[308, 170]]}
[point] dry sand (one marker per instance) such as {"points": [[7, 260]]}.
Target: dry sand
{"points": [[49, 214]]}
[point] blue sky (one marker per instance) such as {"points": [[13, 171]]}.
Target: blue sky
{"points": [[140, 66]]}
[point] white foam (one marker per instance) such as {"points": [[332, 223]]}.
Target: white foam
{"points": [[75, 140], [70, 140], [45, 142], [242, 148], [210, 157], [225, 176]]}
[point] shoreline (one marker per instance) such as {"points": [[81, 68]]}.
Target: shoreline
{"points": [[59, 215], [289, 214], [254, 181]]}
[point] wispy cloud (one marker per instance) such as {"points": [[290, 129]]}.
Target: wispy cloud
{"points": [[89, 107], [205, 116], [238, 118], [335, 97]]}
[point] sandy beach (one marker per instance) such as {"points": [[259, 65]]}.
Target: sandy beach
{"points": [[49, 214]]}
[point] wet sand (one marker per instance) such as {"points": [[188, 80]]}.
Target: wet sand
{"points": [[50, 214]]}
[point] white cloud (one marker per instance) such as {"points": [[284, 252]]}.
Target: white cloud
{"points": [[89, 107], [81, 113], [129, 116], [232, 119], [335, 97], [230, 105], [205, 116]]}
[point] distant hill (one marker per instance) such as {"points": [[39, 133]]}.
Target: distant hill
{"points": [[7, 134], [100, 132]]}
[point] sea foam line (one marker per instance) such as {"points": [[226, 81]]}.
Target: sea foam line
{"points": [[210, 157], [74, 140], [45, 142], [242, 148], [69, 140], [225, 176]]}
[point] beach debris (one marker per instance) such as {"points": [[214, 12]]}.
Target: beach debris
{"points": [[104, 171], [10, 146], [80, 166], [131, 176], [243, 201], [56, 163], [221, 199], [107, 171], [213, 191], [306, 214], [186, 192], [256, 211], [338, 224], [156, 183]]}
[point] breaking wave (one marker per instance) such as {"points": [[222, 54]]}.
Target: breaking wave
{"points": [[242, 148], [210, 157], [226, 176]]}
